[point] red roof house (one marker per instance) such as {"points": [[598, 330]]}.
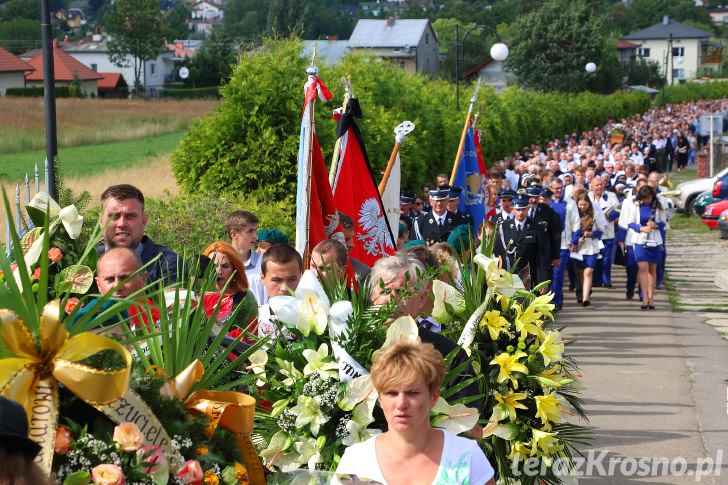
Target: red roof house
{"points": [[12, 71], [113, 85], [67, 70]]}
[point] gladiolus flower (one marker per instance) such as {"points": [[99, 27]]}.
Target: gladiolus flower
{"points": [[107, 474], [128, 436]]}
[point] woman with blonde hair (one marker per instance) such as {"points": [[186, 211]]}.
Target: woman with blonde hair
{"points": [[408, 377], [585, 245], [231, 272]]}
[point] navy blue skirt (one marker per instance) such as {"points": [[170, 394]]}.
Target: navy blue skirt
{"points": [[644, 254], [589, 261]]}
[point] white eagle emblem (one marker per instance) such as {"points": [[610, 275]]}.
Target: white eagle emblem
{"points": [[374, 232]]}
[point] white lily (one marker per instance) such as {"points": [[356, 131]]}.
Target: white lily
{"points": [[456, 418], [308, 310], [448, 302], [504, 282], [318, 362], [308, 412], [258, 360], [309, 451], [358, 390], [358, 433], [275, 454], [288, 369]]}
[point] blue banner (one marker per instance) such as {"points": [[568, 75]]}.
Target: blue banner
{"points": [[469, 178]]}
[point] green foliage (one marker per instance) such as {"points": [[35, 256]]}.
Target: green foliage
{"points": [[635, 15], [645, 72], [136, 27], [249, 145], [174, 21], [213, 61], [20, 9], [193, 222], [550, 47], [19, 35], [37, 92], [191, 93], [681, 93]]}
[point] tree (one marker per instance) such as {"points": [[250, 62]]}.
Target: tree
{"points": [[136, 27], [645, 72], [175, 22], [20, 35], [213, 61], [550, 46]]}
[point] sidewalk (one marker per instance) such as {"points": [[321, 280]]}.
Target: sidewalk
{"points": [[654, 385]]}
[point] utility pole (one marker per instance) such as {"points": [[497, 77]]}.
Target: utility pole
{"points": [[49, 89]]}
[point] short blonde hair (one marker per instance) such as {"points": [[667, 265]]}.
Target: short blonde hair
{"points": [[405, 363]]}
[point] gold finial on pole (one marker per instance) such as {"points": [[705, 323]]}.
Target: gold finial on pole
{"points": [[314, 54]]}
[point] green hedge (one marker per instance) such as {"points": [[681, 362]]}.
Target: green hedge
{"points": [[250, 143], [693, 91], [191, 93], [38, 92], [190, 223]]}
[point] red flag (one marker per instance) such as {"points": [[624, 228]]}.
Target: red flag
{"points": [[490, 202], [356, 193], [323, 216]]}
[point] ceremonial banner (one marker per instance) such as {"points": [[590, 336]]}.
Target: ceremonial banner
{"points": [[356, 194], [470, 178], [390, 196], [316, 215], [489, 198]]}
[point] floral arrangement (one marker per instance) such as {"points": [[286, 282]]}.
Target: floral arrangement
{"points": [[530, 381], [618, 131], [322, 397]]}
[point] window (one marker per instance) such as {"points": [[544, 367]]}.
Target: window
{"points": [[152, 68], [678, 51], [94, 67], [678, 74], [643, 52], [427, 37]]}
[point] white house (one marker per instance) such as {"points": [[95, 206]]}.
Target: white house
{"points": [[205, 15], [95, 55], [12, 71], [682, 52], [409, 43]]}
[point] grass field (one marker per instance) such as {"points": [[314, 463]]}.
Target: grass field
{"points": [[90, 159], [93, 121]]}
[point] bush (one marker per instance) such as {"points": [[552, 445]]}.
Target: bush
{"points": [[693, 91], [191, 93], [190, 223], [250, 143], [38, 92]]}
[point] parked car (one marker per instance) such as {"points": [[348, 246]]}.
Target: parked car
{"points": [[700, 203], [720, 187], [690, 190], [713, 212], [723, 225]]}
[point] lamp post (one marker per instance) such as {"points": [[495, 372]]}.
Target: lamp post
{"points": [[499, 52], [590, 67]]}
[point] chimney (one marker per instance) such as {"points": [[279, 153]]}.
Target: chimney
{"points": [[332, 37], [390, 21], [665, 20], [65, 38]]}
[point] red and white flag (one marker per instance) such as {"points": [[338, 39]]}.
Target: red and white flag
{"points": [[356, 193]]}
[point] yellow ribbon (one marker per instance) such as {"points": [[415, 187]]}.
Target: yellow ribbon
{"points": [[232, 410], [31, 378]]}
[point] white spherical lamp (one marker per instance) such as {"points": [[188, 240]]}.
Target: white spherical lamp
{"points": [[591, 67], [499, 51]]}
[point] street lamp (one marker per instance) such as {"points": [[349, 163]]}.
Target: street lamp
{"points": [[499, 52], [590, 67]]}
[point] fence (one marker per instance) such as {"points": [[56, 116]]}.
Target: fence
{"points": [[20, 220]]}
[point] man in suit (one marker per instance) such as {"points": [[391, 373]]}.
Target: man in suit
{"points": [[518, 241], [452, 206], [405, 204], [436, 226], [550, 222]]}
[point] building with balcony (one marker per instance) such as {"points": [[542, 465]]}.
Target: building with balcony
{"points": [[682, 52]]}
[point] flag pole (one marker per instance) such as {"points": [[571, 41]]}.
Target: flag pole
{"points": [[344, 82], [312, 70], [401, 132], [465, 130]]}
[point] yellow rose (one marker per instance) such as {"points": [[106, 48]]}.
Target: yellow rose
{"points": [[107, 475], [128, 436]]}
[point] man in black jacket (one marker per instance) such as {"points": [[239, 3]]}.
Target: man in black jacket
{"points": [[550, 223], [436, 225], [124, 220]]}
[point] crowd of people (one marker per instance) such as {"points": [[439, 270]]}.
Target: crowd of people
{"points": [[572, 209]]}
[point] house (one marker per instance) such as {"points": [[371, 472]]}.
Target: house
{"points": [[205, 14], [330, 51], [491, 73], [112, 85], [719, 16], [683, 52], [162, 71], [409, 43], [73, 17], [93, 53], [627, 51], [67, 71], [12, 71]]}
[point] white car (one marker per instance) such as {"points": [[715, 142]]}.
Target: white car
{"points": [[690, 190]]}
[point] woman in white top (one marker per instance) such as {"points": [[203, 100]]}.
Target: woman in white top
{"points": [[408, 378], [586, 244]]}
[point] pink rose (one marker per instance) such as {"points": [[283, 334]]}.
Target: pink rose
{"points": [[55, 254], [63, 441], [128, 436], [154, 457], [107, 475], [71, 303], [191, 472]]}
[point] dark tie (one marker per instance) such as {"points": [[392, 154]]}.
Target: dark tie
{"points": [[441, 222], [530, 213], [518, 229]]}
